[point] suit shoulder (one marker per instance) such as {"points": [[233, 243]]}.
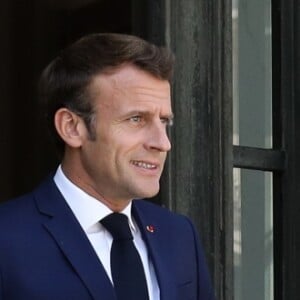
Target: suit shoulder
{"points": [[25, 203], [16, 207]]}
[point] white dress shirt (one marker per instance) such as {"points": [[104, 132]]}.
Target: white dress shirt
{"points": [[89, 211]]}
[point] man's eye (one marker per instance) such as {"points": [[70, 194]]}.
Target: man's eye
{"points": [[136, 119], [167, 121]]}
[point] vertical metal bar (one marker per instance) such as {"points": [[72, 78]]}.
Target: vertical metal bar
{"points": [[288, 217]]}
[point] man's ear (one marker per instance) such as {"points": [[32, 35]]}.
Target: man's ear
{"points": [[70, 127]]}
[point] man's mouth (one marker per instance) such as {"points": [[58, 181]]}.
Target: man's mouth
{"points": [[144, 165]]}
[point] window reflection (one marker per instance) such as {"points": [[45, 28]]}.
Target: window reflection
{"points": [[252, 73], [253, 235]]}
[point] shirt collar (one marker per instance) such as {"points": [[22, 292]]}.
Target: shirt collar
{"points": [[87, 209]]}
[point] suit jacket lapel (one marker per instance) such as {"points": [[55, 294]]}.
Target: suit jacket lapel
{"points": [[153, 241], [69, 236]]}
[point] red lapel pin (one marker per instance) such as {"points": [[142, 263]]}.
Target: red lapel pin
{"points": [[150, 228]]}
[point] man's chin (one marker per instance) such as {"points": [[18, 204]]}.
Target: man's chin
{"points": [[149, 193]]}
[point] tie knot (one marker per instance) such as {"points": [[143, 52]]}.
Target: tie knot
{"points": [[117, 225]]}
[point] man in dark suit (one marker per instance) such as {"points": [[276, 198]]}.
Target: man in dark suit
{"points": [[108, 105]]}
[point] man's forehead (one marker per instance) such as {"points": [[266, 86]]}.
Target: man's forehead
{"points": [[139, 87], [128, 76]]}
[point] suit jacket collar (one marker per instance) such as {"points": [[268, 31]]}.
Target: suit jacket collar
{"points": [[62, 225]]}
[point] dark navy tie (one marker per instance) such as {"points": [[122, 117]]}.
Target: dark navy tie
{"points": [[126, 265]]}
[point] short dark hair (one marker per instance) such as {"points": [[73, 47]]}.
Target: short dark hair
{"points": [[65, 81]]}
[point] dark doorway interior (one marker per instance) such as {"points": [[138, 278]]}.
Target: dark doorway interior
{"points": [[32, 32]]}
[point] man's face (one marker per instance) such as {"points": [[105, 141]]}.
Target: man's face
{"points": [[125, 161]]}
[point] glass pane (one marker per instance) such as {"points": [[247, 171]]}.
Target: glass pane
{"points": [[252, 73], [253, 235]]}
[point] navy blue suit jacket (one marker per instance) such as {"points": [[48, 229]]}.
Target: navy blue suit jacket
{"points": [[45, 255]]}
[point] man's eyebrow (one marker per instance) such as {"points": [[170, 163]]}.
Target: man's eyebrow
{"points": [[137, 112], [147, 112]]}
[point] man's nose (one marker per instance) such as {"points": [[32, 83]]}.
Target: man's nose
{"points": [[158, 138]]}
